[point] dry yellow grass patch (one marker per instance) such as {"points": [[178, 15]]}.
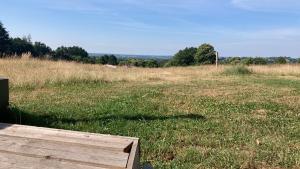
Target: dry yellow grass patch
{"points": [[33, 71], [283, 70]]}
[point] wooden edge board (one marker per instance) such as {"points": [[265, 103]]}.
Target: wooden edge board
{"points": [[60, 152], [100, 140], [75, 133], [71, 141], [6, 141], [134, 146], [134, 156], [16, 161]]}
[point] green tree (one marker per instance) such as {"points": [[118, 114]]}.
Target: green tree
{"points": [[41, 50], [62, 53], [70, 53], [112, 60], [280, 60], [233, 60], [184, 57], [205, 54], [247, 61], [107, 59], [4, 40], [259, 61], [19, 46], [99, 60], [151, 63]]}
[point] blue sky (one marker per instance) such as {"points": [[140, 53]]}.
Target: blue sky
{"points": [[159, 27]]}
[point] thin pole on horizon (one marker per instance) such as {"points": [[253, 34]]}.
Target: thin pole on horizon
{"points": [[217, 58]]}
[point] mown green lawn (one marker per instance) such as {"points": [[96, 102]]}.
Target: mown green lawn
{"points": [[250, 121]]}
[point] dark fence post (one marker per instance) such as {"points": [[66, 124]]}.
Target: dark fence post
{"points": [[4, 93]]}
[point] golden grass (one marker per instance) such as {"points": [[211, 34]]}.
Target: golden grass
{"points": [[281, 70], [241, 113], [28, 71], [32, 71]]}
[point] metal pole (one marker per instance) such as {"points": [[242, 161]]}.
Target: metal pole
{"points": [[217, 59]]}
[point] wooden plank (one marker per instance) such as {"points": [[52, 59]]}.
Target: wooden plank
{"points": [[134, 156], [4, 96], [66, 132], [63, 152], [104, 141], [14, 161], [67, 147]]}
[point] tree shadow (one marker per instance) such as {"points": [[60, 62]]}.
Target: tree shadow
{"points": [[18, 116], [15, 115]]}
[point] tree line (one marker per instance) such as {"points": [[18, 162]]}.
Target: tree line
{"points": [[204, 54], [258, 60], [17, 46]]}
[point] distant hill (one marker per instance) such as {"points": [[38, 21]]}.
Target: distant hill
{"points": [[133, 56]]}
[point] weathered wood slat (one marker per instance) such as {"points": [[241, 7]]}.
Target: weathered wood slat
{"points": [[14, 161], [26, 147], [134, 156], [113, 142], [76, 153]]}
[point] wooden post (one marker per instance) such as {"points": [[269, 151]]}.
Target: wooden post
{"points": [[217, 59], [4, 95]]}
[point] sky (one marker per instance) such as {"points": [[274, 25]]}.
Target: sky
{"points": [[159, 27]]}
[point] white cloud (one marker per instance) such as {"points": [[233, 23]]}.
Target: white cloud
{"points": [[268, 5]]}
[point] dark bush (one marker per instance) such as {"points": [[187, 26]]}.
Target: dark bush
{"points": [[237, 70], [184, 57], [19, 46], [259, 61], [70, 53], [205, 54], [151, 63], [4, 41], [280, 60], [41, 50]]}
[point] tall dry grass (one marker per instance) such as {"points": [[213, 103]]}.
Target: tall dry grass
{"points": [[279, 70], [27, 71]]}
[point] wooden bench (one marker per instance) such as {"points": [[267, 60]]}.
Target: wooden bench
{"points": [[26, 147], [3, 93]]}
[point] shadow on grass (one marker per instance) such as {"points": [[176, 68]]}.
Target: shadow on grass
{"points": [[17, 116]]}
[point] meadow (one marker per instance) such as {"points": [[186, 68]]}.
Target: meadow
{"points": [[186, 117]]}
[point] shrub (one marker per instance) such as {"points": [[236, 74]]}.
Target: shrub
{"points": [[234, 60], [21, 45], [237, 70], [41, 50], [151, 63], [184, 57], [247, 61], [281, 60], [259, 61], [68, 53], [205, 54]]}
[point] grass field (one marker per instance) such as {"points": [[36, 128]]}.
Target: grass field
{"points": [[193, 117]]}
